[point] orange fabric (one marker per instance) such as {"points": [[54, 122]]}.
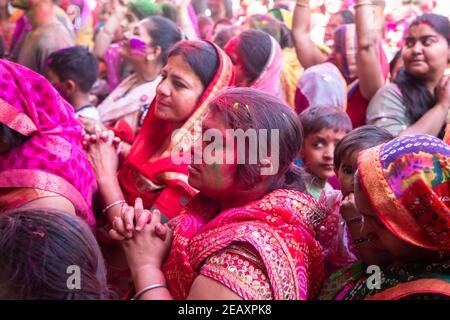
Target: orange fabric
{"points": [[11, 198]]}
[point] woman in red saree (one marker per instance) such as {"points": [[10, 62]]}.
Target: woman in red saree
{"points": [[401, 222], [249, 233], [42, 162], [194, 72]]}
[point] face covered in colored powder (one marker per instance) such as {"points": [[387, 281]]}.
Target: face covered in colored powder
{"points": [[211, 176], [137, 44]]}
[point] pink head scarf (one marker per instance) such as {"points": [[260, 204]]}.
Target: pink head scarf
{"points": [[269, 80], [52, 158]]}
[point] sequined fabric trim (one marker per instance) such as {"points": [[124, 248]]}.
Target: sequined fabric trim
{"points": [[46, 181], [16, 120], [240, 270]]}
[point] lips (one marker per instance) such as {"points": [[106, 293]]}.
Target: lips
{"points": [[162, 104], [327, 166]]}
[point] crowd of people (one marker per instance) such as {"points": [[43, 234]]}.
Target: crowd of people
{"points": [[99, 101]]}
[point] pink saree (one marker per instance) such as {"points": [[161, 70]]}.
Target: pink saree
{"points": [[52, 159], [280, 227]]}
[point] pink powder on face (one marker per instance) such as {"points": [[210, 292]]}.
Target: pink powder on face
{"points": [[137, 46]]}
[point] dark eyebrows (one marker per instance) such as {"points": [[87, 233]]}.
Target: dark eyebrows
{"points": [[180, 79], [422, 38], [320, 139]]}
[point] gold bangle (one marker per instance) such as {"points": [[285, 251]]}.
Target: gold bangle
{"points": [[302, 5], [367, 3]]}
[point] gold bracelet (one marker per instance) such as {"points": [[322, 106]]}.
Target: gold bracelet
{"points": [[302, 5], [367, 3]]}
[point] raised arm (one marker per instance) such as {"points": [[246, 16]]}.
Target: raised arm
{"points": [[307, 52], [370, 73], [106, 35], [184, 20]]}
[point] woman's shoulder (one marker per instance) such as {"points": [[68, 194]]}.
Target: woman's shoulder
{"points": [[389, 96], [389, 90]]}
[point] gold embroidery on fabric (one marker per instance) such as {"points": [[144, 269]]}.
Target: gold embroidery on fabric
{"points": [[248, 282], [16, 120]]}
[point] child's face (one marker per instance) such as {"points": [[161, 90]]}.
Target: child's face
{"points": [[56, 82], [318, 150], [346, 172]]}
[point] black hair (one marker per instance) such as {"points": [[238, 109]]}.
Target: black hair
{"points": [[254, 51], [361, 138], [201, 56], [225, 34], [164, 34], [11, 137], [247, 108], [395, 59], [39, 251], [76, 64], [416, 96], [315, 119]]}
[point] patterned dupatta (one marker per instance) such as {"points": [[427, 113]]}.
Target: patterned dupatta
{"points": [[52, 159], [140, 177], [280, 227], [407, 182]]}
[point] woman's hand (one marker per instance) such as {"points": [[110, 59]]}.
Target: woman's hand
{"points": [[102, 154], [149, 247], [130, 220], [90, 124], [443, 93], [348, 208]]}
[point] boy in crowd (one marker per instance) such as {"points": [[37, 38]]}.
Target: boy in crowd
{"points": [[323, 128], [73, 71]]}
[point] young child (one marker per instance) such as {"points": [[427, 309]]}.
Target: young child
{"points": [[73, 71], [333, 233], [323, 128]]}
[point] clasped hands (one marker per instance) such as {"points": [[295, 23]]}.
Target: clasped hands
{"points": [[145, 240]]}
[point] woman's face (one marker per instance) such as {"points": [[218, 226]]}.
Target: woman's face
{"points": [[425, 53], [214, 177], [137, 44], [231, 48], [179, 91], [383, 247]]}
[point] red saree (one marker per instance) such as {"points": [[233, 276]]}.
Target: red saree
{"points": [[163, 178], [280, 226]]}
